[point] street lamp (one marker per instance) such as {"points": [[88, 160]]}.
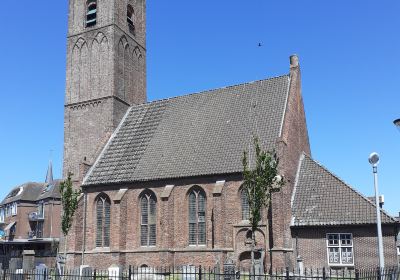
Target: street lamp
{"points": [[374, 160], [397, 123]]}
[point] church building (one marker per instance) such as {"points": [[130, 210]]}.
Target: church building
{"points": [[161, 180]]}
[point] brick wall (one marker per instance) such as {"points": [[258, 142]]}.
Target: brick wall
{"points": [[293, 141], [225, 230], [312, 246]]}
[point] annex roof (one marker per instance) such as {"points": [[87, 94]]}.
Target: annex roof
{"points": [[321, 198], [192, 135]]}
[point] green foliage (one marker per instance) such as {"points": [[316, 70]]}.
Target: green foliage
{"points": [[259, 183], [69, 200]]}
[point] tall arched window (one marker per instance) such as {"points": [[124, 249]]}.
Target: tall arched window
{"points": [[148, 219], [245, 205], [130, 18], [103, 221], [197, 217], [91, 13]]}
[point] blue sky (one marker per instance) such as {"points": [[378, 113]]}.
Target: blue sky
{"points": [[349, 56]]}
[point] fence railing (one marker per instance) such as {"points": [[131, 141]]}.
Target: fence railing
{"points": [[198, 273]]}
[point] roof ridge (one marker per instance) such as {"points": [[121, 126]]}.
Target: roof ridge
{"points": [[210, 90], [347, 185]]}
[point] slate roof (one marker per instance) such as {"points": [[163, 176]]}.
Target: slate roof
{"points": [[321, 198], [192, 135], [29, 192], [32, 191]]}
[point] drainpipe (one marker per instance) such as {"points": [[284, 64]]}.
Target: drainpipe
{"points": [[51, 219], [84, 227]]}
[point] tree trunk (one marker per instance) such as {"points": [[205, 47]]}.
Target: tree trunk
{"points": [[253, 247]]}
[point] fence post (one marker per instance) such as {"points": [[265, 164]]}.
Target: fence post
{"points": [[200, 272], [94, 274], [378, 273], [287, 273], [357, 274], [4, 274], [130, 273], [323, 273]]}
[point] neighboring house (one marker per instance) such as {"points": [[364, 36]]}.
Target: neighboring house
{"points": [[30, 220], [330, 216], [162, 180]]}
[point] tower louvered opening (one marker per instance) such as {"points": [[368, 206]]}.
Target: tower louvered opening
{"points": [[91, 13], [130, 18]]}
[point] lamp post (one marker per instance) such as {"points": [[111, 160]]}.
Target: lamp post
{"points": [[397, 123], [374, 160]]}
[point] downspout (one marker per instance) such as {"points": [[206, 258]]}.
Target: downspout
{"points": [[51, 220], [84, 227]]}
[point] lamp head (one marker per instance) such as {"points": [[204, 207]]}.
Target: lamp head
{"points": [[397, 123], [373, 159]]}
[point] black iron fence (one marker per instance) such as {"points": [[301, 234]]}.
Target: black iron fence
{"points": [[198, 273]]}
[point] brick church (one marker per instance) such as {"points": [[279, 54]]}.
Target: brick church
{"points": [[161, 180]]}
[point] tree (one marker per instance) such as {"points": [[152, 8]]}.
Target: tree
{"points": [[259, 184], [69, 201]]}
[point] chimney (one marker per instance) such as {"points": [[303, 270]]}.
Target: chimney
{"points": [[294, 61]]}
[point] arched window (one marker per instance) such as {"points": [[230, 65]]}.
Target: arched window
{"points": [[148, 219], [197, 217], [245, 205], [91, 13], [103, 221], [130, 18]]}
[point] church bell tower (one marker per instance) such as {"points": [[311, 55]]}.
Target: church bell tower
{"points": [[106, 73]]}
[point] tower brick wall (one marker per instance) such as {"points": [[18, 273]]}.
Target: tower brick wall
{"points": [[105, 74]]}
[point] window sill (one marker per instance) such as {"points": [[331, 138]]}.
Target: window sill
{"points": [[101, 249], [149, 247], [341, 265]]}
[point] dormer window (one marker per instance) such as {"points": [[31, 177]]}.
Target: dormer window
{"points": [[130, 18], [91, 13]]}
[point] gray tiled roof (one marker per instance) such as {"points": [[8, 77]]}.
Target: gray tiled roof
{"points": [[192, 135], [29, 192], [32, 191], [321, 198]]}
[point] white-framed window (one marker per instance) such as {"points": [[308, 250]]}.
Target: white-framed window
{"points": [[340, 249], [2, 214], [40, 211], [14, 209], [11, 209], [8, 210]]}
